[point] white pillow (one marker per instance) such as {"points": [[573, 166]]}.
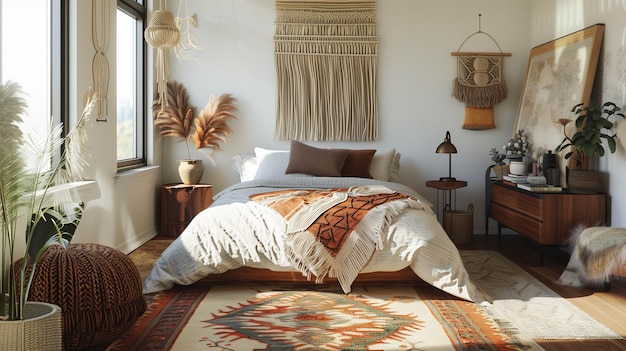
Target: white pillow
{"points": [[394, 171], [271, 163], [245, 165], [380, 168]]}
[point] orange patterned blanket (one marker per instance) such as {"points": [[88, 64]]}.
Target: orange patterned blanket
{"points": [[334, 232]]}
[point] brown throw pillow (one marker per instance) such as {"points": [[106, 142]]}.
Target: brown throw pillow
{"points": [[314, 161], [358, 163]]}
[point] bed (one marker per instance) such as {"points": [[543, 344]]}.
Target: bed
{"points": [[250, 232]]}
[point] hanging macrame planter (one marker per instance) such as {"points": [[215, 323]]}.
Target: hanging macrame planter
{"points": [[479, 83], [162, 34]]}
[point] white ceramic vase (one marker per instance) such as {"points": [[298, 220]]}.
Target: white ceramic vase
{"points": [[190, 171], [518, 168]]}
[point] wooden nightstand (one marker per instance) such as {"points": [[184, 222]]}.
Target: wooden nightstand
{"points": [[180, 203], [446, 188]]}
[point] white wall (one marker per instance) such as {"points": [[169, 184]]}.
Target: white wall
{"points": [[124, 216], [415, 75]]}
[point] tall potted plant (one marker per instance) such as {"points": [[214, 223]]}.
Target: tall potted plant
{"points": [[593, 127], [31, 188], [206, 131]]}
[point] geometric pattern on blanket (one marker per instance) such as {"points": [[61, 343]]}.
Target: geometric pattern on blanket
{"points": [[333, 226], [335, 232]]}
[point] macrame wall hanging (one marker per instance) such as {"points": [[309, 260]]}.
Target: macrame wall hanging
{"points": [[479, 83], [188, 44], [100, 72], [162, 34], [326, 54]]}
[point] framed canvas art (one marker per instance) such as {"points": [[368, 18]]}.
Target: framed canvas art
{"points": [[559, 75]]}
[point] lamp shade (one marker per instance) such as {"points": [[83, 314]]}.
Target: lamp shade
{"points": [[162, 32], [446, 147]]}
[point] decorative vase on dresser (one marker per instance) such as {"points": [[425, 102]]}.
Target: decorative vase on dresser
{"points": [[518, 167]]}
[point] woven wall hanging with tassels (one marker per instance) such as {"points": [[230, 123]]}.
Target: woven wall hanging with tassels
{"points": [[480, 83]]}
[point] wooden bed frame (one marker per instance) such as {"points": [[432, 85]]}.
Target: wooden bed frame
{"points": [[247, 275]]}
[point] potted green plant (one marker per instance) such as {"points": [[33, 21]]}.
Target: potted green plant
{"points": [[206, 131], [32, 191], [593, 127], [498, 159]]}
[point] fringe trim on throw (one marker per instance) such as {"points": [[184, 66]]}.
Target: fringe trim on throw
{"points": [[326, 54], [312, 258], [480, 97]]}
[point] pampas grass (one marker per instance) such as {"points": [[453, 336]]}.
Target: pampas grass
{"points": [[207, 131]]}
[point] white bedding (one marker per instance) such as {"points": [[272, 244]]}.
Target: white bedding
{"points": [[236, 232]]}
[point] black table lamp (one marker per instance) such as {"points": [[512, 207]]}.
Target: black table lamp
{"points": [[447, 148]]}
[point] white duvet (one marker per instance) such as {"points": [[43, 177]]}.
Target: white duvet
{"points": [[236, 232]]}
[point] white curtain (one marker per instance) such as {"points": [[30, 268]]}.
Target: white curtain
{"points": [[326, 55]]}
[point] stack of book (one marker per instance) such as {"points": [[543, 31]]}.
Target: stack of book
{"points": [[540, 187], [514, 180], [521, 182]]}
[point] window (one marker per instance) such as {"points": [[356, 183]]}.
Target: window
{"points": [[131, 93], [28, 57]]}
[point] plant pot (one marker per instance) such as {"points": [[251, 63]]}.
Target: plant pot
{"points": [[583, 181], [190, 171], [500, 171], [518, 168], [41, 329]]}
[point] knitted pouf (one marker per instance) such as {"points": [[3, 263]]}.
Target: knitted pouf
{"points": [[98, 289]]}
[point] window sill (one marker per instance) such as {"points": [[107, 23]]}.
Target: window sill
{"points": [[87, 189], [136, 173]]}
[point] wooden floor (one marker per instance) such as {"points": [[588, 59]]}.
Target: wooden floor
{"points": [[608, 307]]}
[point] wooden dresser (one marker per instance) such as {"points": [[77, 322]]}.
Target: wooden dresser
{"points": [[547, 218]]}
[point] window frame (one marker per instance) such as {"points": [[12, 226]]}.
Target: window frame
{"points": [[60, 71], [137, 10]]}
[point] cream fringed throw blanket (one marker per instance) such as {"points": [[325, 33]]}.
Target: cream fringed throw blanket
{"points": [[598, 253], [335, 232], [326, 55]]}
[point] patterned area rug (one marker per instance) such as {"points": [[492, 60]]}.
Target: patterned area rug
{"points": [[274, 318], [194, 318]]}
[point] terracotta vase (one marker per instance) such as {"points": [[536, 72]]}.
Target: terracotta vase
{"points": [[190, 171], [500, 171]]}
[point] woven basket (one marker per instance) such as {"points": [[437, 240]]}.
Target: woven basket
{"points": [[40, 330], [459, 224]]}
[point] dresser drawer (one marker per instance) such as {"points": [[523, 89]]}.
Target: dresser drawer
{"points": [[525, 203], [531, 227]]}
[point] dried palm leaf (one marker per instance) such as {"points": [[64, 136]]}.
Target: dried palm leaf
{"points": [[175, 118], [211, 124]]}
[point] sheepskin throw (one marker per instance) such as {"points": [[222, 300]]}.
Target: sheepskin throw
{"points": [[326, 54]]}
